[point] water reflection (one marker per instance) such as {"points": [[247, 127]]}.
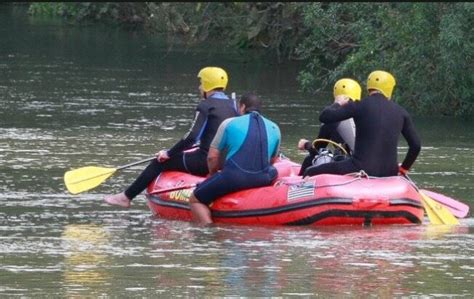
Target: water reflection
{"points": [[68, 101], [85, 260], [246, 261]]}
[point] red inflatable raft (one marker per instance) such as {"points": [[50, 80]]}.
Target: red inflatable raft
{"points": [[320, 200]]}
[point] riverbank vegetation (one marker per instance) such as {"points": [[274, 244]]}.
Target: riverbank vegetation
{"points": [[427, 46]]}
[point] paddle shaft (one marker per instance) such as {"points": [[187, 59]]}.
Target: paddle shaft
{"points": [[136, 163], [150, 159]]}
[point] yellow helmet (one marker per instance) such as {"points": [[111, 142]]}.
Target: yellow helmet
{"points": [[348, 87], [381, 81], [212, 78]]}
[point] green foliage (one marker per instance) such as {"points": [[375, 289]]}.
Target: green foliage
{"points": [[47, 8], [114, 12], [273, 26], [428, 47]]}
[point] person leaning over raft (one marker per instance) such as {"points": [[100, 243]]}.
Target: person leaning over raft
{"points": [[379, 123], [342, 132], [251, 144], [215, 107]]}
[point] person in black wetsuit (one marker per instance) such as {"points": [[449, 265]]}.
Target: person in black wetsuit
{"points": [[379, 123], [215, 107], [341, 132]]}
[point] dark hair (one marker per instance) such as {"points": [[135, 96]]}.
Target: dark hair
{"points": [[251, 102]]}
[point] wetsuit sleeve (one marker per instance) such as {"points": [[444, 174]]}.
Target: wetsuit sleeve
{"points": [[414, 144], [336, 112], [325, 132], [219, 140], [309, 147], [194, 133]]}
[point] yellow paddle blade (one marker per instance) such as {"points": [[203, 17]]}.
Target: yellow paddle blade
{"points": [[437, 213], [86, 178]]}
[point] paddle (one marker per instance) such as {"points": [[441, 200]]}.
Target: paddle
{"points": [[459, 209], [437, 213], [89, 177]]}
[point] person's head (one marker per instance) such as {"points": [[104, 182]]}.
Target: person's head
{"points": [[249, 102], [349, 88], [381, 81], [212, 79]]}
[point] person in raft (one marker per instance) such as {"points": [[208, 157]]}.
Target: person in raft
{"points": [[379, 122], [250, 144], [214, 108], [341, 132]]}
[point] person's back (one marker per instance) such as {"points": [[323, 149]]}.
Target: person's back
{"points": [[250, 141], [379, 123], [250, 144], [341, 132], [217, 108]]}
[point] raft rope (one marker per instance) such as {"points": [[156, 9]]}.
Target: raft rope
{"points": [[358, 176]]}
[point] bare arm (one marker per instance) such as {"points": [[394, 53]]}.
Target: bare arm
{"points": [[276, 152], [274, 159], [216, 157], [214, 161]]}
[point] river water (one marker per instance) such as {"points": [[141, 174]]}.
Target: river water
{"points": [[77, 96]]}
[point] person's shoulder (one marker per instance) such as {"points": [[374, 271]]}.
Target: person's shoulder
{"points": [[329, 126], [401, 109], [397, 105], [272, 124], [203, 104], [233, 121]]}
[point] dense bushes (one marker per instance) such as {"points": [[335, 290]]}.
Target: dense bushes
{"points": [[427, 46], [114, 12]]}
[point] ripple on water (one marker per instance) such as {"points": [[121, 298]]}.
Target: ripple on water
{"points": [[67, 111]]}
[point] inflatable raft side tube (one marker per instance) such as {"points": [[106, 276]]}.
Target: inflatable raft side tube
{"points": [[368, 215], [284, 209], [167, 203]]}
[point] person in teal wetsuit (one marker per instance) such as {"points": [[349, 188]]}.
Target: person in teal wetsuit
{"points": [[251, 144]]}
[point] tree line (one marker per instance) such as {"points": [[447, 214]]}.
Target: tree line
{"points": [[427, 46]]}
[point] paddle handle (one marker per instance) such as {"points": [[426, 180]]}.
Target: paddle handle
{"points": [[136, 163]]}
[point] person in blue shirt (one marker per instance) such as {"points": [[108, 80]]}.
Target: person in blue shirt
{"points": [[250, 144], [215, 107]]}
